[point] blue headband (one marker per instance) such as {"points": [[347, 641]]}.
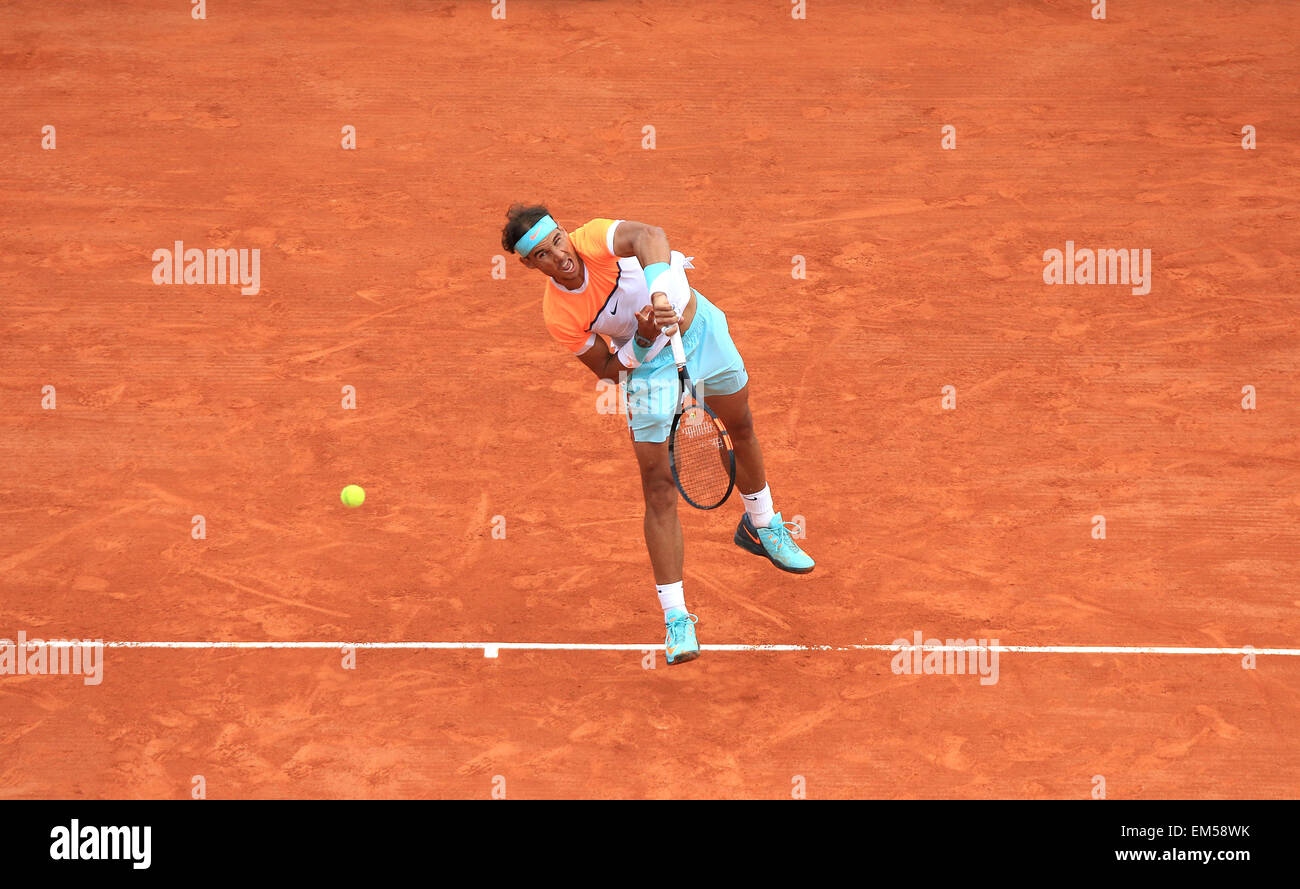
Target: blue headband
{"points": [[541, 228]]}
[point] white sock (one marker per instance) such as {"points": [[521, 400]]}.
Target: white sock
{"points": [[759, 507], [671, 596]]}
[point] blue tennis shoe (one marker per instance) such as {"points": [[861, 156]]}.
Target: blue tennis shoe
{"points": [[681, 645], [775, 543]]}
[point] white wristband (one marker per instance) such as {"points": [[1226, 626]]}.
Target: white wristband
{"points": [[626, 356], [674, 285]]}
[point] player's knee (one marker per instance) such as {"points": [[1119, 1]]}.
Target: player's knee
{"points": [[660, 492]]}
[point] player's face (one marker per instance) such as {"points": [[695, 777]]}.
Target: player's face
{"points": [[555, 257]]}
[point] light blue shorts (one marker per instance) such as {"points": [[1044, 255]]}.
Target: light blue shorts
{"points": [[712, 361]]}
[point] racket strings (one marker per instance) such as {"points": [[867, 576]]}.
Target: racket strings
{"points": [[701, 458]]}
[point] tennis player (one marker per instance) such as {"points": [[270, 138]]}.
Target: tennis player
{"points": [[613, 288]]}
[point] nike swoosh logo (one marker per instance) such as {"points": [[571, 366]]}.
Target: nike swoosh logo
{"points": [[748, 497], [751, 536], [614, 309]]}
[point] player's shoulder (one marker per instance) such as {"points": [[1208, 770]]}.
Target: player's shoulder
{"points": [[596, 236]]}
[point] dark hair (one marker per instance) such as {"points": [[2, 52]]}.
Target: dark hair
{"points": [[519, 219]]}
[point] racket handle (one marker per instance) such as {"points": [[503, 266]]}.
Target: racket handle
{"points": [[675, 336], [679, 352]]}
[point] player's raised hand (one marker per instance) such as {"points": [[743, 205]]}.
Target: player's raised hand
{"points": [[665, 316]]}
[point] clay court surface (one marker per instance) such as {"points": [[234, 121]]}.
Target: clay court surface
{"points": [[774, 137]]}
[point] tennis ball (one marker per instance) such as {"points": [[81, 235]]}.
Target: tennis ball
{"points": [[353, 495]]}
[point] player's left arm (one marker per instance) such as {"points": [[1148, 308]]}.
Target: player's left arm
{"points": [[649, 244]]}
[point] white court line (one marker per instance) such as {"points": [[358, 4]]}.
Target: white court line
{"points": [[490, 648]]}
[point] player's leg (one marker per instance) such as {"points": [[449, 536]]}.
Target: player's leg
{"points": [[663, 528], [724, 385], [651, 397]]}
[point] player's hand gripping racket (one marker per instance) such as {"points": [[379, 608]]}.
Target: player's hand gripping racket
{"points": [[699, 448]]}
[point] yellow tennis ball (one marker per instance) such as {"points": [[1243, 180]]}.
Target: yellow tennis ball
{"points": [[353, 496]]}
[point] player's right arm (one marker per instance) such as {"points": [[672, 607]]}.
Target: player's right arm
{"points": [[604, 363]]}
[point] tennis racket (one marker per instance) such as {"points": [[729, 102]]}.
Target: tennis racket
{"points": [[699, 448]]}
